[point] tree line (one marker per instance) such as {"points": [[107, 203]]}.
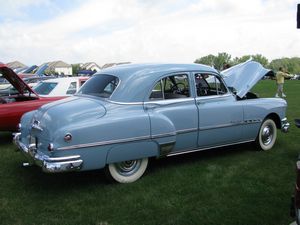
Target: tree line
{"points": [[223, 60]]}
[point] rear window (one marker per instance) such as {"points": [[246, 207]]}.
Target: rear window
{"points": [[44, 88], [100, 85]]}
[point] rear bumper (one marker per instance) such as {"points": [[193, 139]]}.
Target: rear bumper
{"points": [[48, 164], [285, 125]]}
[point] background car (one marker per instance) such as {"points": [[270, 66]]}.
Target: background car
{"points": [[65, 86], [12, 107], [124, 115], [31, 81]]}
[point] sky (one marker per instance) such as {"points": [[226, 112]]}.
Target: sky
{"points": [[179, 31]]}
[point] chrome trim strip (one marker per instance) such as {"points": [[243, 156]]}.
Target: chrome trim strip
{"points": [[206, 148], [187, 130], [64, 158], [170, 101], [237, 123], [101, 143], [209, 97], [164, 135], [124, 103], [252, 121], [170, 134]]}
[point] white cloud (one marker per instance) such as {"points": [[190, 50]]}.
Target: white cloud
{"points": [[112, 31]]}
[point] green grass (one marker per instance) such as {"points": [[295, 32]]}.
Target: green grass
{"points": [[232, 185]]}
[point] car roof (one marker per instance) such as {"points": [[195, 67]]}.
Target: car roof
{"points": [[64, 79], [152, 68], [137, 79]]}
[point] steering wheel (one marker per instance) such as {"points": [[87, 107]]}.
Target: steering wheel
{"points": [[178, 88]]}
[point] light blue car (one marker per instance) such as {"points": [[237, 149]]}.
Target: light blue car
{"points": [[124, 115]]}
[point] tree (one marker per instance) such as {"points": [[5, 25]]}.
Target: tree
{"points": [[221, 60], [242, 59], [261, 59], [206, 60], [75, 68], [291, 65], [217, 62]]}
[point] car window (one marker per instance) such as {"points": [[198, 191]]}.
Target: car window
{"points": [[72, 88], [82, 82], [171, 87], [209, 84], [101, 85], [44, 88]]}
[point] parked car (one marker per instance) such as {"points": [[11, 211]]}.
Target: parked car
{"points": [[34, 71], [295, 206], [65, 86], [12, 107], [124, 115], [31, 81], [296, 77]]}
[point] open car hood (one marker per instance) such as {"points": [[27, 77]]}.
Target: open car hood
{"points": [[244, 76], [15, 80]]}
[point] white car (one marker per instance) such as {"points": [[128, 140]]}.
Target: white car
{"points": [[60, 86]]}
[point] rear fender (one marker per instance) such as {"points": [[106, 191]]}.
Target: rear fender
{"points": [[132, 151]]}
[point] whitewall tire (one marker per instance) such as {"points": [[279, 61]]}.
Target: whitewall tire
{"points": [[127, 171], [267, 135]]}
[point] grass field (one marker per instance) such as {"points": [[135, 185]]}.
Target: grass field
{"points": [[234, 185]]}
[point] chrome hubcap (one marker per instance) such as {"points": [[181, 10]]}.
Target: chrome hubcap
{"points": [[267, 135], [128, 168]]}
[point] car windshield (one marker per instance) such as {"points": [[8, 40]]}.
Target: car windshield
{"points": [[44, 88], [100, 85]]}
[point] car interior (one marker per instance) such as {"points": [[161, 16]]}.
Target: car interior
{"points": [[171, 87]]}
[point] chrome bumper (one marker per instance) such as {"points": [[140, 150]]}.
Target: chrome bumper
{"points": [[285, 125], [48, 164]]}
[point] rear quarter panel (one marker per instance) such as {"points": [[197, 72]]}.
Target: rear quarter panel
{"points": [[122, 134]]}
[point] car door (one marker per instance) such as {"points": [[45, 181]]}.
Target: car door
{"points": [[220, 115], [173, 114]]}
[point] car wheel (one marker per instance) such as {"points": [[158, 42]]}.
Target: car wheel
{"points": [[127, 171], [267, 135]]}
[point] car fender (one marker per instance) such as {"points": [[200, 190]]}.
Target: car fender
{"points": [[132, 151], [163, 132]]}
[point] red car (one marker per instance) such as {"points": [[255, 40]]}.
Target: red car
{"points": [[14, 106]]}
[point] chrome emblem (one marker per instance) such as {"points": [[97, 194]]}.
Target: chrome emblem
{"points": [[36, 125]]}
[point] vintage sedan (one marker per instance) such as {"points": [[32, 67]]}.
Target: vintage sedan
{"points": [[13, 106], [124, 115]]}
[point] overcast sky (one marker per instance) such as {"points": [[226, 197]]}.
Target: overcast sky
{"points": [[104, 31]]}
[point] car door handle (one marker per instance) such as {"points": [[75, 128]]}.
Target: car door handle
{"points": [[150, 106]]}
